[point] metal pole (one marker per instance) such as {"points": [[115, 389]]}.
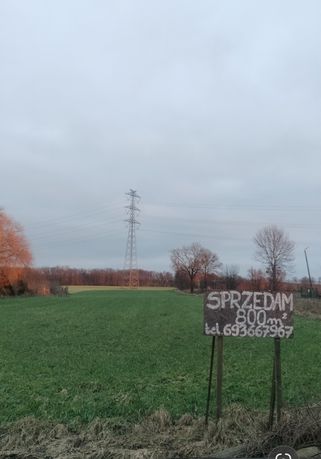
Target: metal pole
{"points": [[306, 259], [210, 382]]}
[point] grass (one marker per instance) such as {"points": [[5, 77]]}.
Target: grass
{"points": [[124, 354]]}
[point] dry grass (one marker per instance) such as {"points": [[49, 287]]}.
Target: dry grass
{"points": [[159, 437], [299, 428], [308, 307]]}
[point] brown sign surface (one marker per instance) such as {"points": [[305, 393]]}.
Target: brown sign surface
{"points": [[260, 314]]}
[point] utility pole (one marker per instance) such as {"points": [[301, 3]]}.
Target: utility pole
{"points": [[306, 260], [130, 264]]}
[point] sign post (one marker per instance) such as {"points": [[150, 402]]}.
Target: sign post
{"points": [[248, 314], [278, 380], [210, 381], [272, 399], [219, 377]]}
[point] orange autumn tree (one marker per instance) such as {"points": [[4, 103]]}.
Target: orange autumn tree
{"points": [[15, 254]]}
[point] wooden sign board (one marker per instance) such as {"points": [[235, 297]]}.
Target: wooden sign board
{"points": [[260, 314]]}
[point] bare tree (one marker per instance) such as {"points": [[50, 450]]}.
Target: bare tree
{"points": [[257, 280], [276, 251], [231, 277], [210, 263], [194, 260]]}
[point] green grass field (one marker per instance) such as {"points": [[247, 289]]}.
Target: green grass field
{"points": [[124, 354]]}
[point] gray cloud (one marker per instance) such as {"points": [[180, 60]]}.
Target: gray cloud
{"points": [[210, 110]]}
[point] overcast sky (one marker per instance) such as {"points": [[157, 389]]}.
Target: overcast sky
{"points": [[209, 109]]}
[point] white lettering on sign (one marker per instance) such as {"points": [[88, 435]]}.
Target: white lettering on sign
{"points": [[261, 314], [248, 300]]}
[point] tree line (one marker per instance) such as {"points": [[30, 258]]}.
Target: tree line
{"points": [[49, 280], [112, 277], [197, 266], [194, 266]]}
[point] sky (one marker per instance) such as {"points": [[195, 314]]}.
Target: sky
{"points": [[209, 109]]}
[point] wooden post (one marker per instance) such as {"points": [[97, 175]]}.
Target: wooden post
{"points": [[278, 381], [219, 377], [272, 400], [276, 389], [210, 382]]}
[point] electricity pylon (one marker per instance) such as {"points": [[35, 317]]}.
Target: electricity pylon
{"points": [[130, 265]]}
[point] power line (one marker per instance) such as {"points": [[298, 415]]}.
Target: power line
{"points": [[98, 210], [242, 205], [71, 229]]}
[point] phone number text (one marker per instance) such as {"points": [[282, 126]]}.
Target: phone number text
{"points": [[260, 331]]}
